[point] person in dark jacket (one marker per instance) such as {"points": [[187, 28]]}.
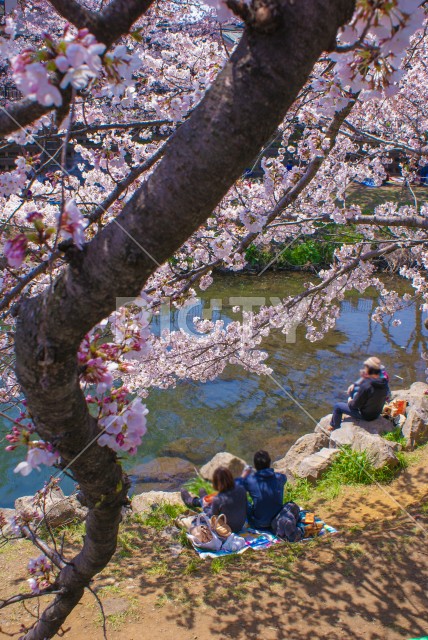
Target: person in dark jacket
{"points": [[230, 501], [266, 488], [367, 403]]}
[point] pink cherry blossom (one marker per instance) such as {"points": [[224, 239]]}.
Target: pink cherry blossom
{"points": [[73, 224], [15, 250], [38, 454]]}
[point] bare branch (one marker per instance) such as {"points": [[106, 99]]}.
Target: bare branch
{"points": [[44, 547], [27, 596]]}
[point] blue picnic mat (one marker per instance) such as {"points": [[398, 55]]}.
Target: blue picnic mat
{"points": [[257, 540]]}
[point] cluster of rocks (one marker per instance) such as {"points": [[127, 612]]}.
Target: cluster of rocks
{"points": [[309, 457], [312, 454]]}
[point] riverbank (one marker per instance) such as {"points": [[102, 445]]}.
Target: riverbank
{"points": [[368, 582], [241, 411]]}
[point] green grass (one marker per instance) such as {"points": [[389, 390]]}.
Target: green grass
{"points": [[300, 492], [194, 484], [317, 250], [218, 565], [127, 542], [192, 566], [348, 468], [395, 436], [158, 569], [162, 516]]}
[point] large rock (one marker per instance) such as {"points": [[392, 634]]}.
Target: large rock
{"points": [[170, 473], [144, 501], [302, 448], [380, 425], [223, 459], [58, 509], [313, 467], [415, 427], [5, 516], [323, 425], [379, 450], [417, 389]]}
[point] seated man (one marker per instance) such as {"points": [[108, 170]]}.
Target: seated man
{"points": [[368, 401], [266, 488]]}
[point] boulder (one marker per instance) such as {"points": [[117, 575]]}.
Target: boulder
{"points": [[379, 450], [314, 466], [323, 425], [417, 389], [223, 459], [59, 509], [302, 448], [170, 473], [5, 517], [144, 501], [378, 426], [415, 427]]}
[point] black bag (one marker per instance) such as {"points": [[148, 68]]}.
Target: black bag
{"points": [[284, 524]]}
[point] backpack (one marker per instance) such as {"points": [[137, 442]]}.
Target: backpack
{"points": [[285, 523]]}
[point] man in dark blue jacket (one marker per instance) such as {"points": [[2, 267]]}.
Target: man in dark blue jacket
{"points": [[266, 488]]}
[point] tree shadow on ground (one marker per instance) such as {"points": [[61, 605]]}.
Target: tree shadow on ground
{"points": [[368, 582]]}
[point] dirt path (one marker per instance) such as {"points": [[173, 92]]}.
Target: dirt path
{"points": [[370, 582]]}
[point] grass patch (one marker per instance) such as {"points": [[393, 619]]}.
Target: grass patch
{"points": [[162, 515], [301, 491], [194, 484], [163, 600], [355, 467], [127, 542], [158, 569], [218, 565], [348, 468], [192, 566], [395, 436], [354, 549]]}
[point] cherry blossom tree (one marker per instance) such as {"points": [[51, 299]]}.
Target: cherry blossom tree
{"points": [[152, 121]]}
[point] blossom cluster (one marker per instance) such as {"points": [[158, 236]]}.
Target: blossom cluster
{"points": [[39, 452], [123, 422], [375, 45], [40, 569], [122, 419], [76, 58], [71, 225]]}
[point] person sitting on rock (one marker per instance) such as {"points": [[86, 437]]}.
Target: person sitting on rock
{"points": [[266, 488], [231, 499], [370, 362], [367, 403]]}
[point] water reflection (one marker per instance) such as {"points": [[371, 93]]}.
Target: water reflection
{"points": [[242, 412]]}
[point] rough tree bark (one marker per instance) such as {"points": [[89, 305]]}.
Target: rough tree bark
{"points": [[203, 159]]}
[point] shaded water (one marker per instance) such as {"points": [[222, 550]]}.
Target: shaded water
{"points": [[241, 412]]}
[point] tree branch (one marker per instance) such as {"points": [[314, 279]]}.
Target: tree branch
{"points": [[108, 26]]}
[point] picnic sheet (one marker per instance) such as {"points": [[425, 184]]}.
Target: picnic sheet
{"points": [[256, 540]]}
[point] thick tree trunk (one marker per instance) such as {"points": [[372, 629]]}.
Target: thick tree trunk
{"points": [[203, 159]]}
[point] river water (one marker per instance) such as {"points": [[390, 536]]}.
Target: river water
{"points": [[241, 412]]}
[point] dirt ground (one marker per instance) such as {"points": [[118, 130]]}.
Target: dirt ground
{"points": [[369, 582]]}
